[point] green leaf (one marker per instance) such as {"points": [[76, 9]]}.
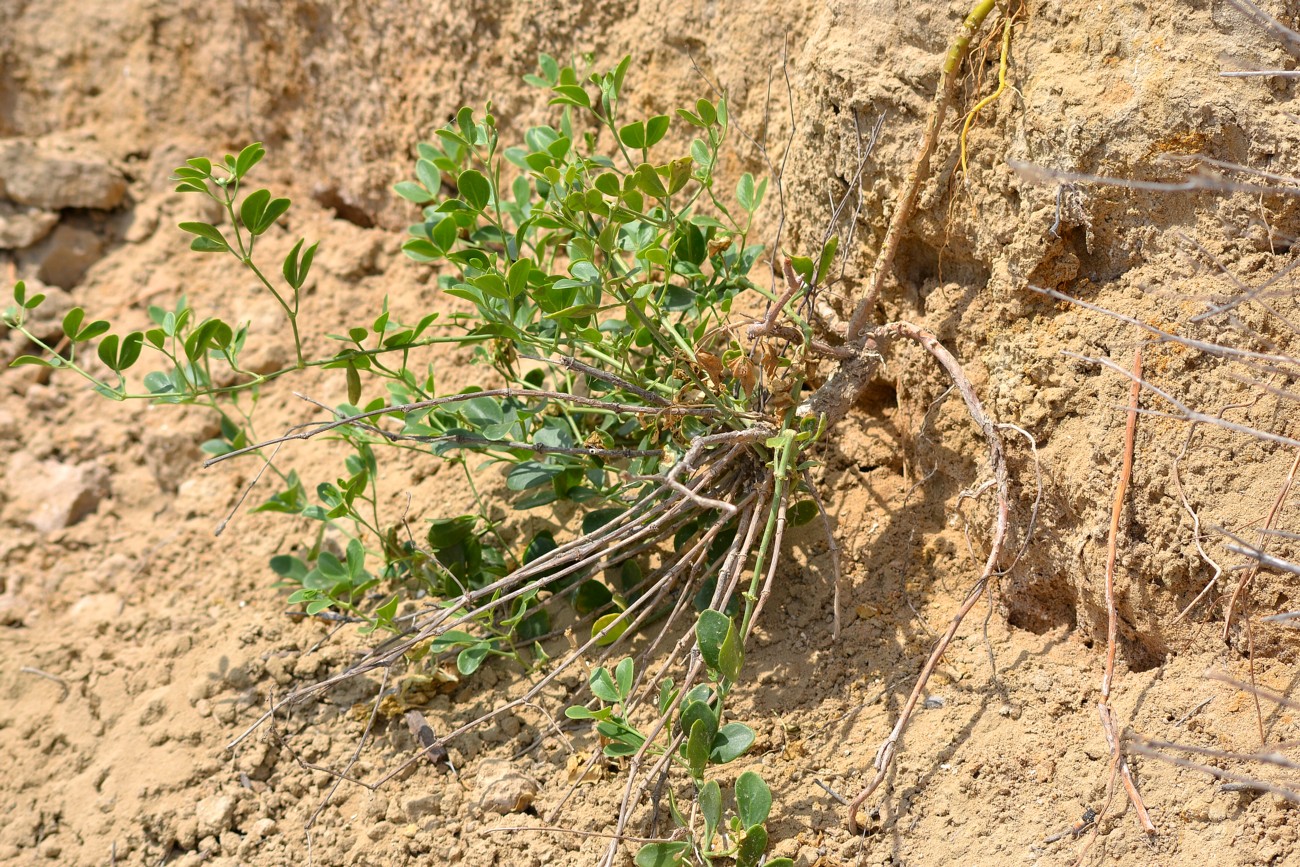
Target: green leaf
{"points": [[550, 69], [208, 232], [710, 801], [745, 192], [697, 748], [252, 208], [633, 135], [158, 383], [602, 686], [474, 189], [331, 567], [448, 532], [288, 566], [469, 659], [803, 266], [597, 518], [802, 512], [571, 94], [205, 245], [751, 849], [679, 172], [72, 322], [422, 251], [623, 674], [655, 129], [531, 474], [354, 384], [91, 331], [731, 742], [689, 117], [666, 694], [580, 712], [248, 157], [608, 183], [649, 182], [591, 596], [413, 192], [517, 277], [24, 360], [620, 72], [203, 165], [753, 799], [731, 656], [614, 634], [108, 351], [662, 854], [827, 258], [543, 543], [705, 110], [711, 630], [258, 212]]}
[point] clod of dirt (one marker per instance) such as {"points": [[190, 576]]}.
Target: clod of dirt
{"points": [[51, 495], [215, 815], [54, 176], [23, 226], [63, 258], [503, 789]]}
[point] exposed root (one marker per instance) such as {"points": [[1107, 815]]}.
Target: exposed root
{"points": [[906, 204], [1119, 765], [997, 465]]}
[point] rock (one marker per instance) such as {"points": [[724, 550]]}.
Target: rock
{"points": [[421, 807], [502, 789], [257, 761], [264, 827], [50, 495], [214, 815], [23, 226], [14, 610], [52, 175], [172, 448], [141, 222], [63, 258], [96, 608]]}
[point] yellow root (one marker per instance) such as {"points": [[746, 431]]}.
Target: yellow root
{"points": [[992, 97]]}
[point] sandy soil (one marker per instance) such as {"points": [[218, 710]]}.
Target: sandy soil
{"points": [[136, 644]]}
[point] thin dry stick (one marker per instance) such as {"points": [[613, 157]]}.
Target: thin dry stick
{"points": [[1104, 710], [997, 463], [1148, 748], [1262, 545], [1248, 576]]}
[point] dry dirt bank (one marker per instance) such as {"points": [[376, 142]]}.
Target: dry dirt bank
{"points": [[161, 642]]}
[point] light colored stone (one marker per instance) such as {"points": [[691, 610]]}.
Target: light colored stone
{"points": [[502, 789], [53, 175], [50, 495], [421, 807], [214, 815], [96, 608], [22, 226], [171, 446]]}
